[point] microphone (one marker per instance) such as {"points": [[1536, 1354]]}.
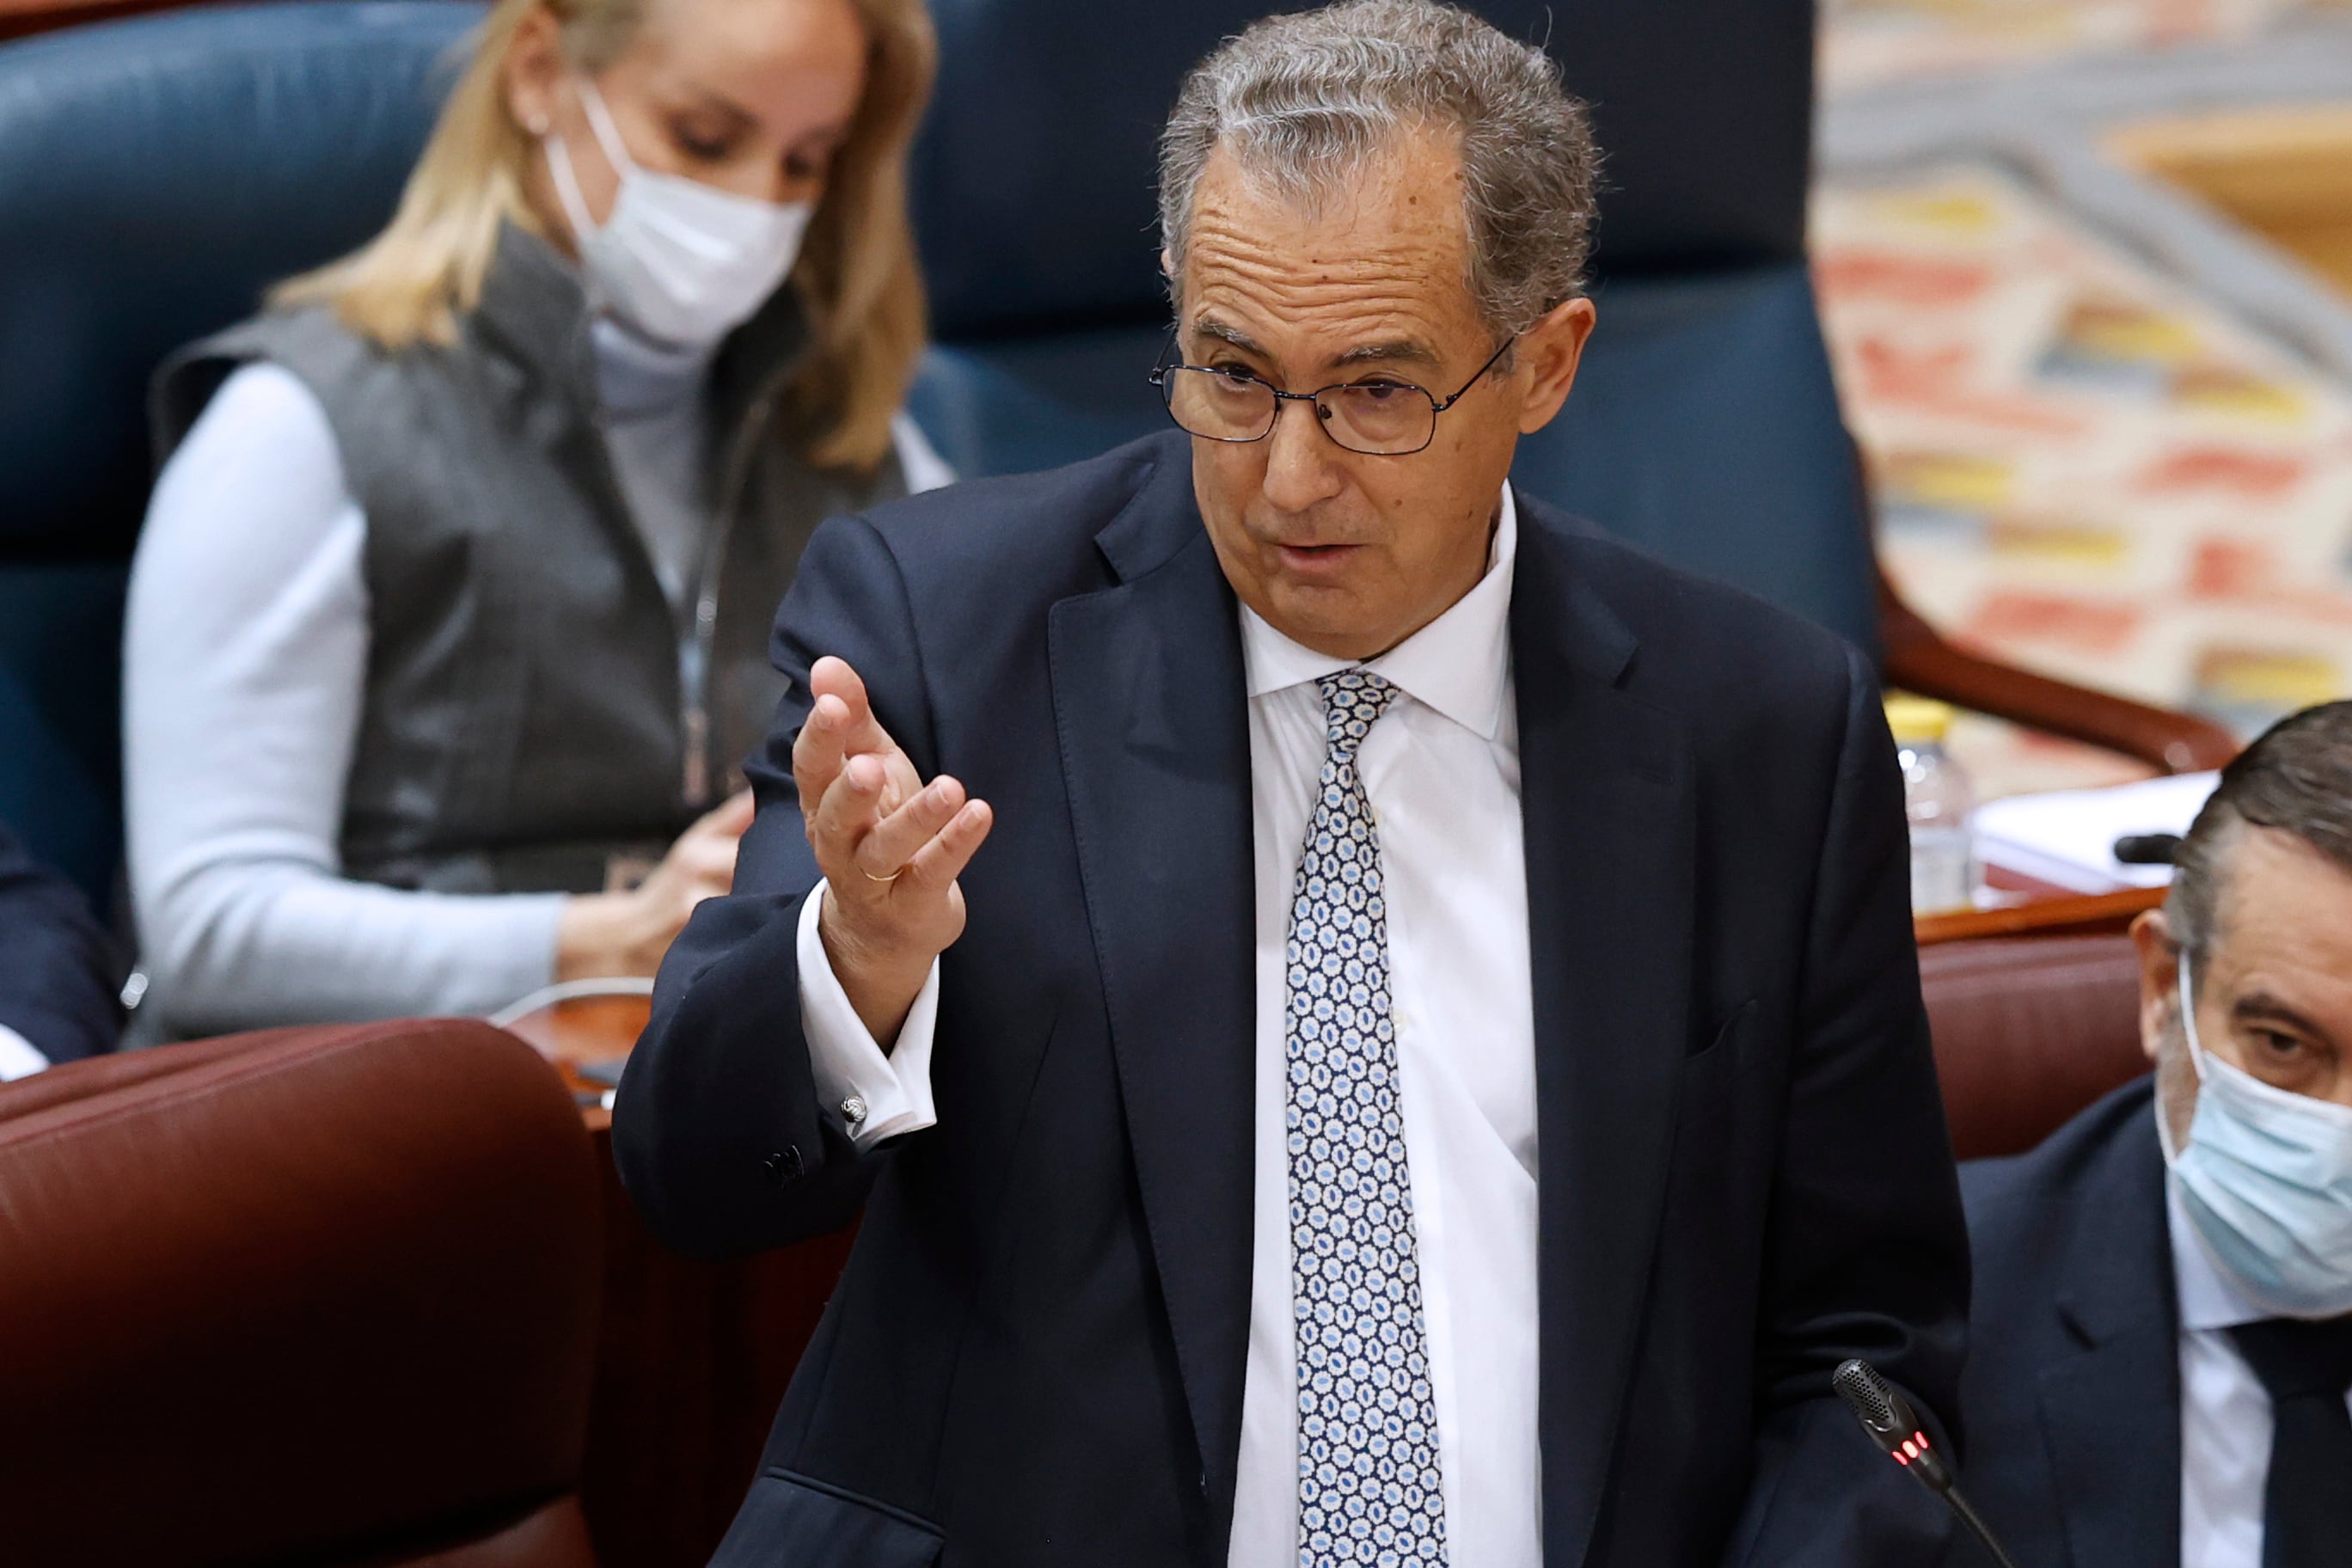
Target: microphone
{"points": [[1900, 1434]]}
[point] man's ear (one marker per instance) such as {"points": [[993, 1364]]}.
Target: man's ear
{"points": [[1548, 353], [2159, 980]]}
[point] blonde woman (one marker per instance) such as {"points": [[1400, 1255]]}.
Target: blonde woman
{"points": [[449, 622]]}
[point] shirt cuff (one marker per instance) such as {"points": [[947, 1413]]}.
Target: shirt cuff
{"points": [[849, 1066], [19, 1059]]}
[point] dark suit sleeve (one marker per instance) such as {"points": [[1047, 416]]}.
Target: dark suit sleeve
{"points": [[59, 975], [717, 1129], [1868, 1251]]}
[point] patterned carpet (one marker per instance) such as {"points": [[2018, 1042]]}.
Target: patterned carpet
{"points": [[1871, 43], [2082, 465]]}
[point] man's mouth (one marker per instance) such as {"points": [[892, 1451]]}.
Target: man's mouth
{"points": [[1317, 560]]}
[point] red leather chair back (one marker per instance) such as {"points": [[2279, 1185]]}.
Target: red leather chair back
{"points": [[2029, 1031], [326, 1296]]}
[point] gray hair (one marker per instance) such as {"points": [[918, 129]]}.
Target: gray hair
{"points": [[1306, 102], [2297, 778]]}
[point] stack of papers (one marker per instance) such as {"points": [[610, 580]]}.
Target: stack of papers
{"points": [[2067, 837]]}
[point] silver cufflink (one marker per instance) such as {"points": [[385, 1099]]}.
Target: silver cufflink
{"points": [[853, 1110]]}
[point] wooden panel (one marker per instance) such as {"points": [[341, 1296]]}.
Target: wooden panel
{"points": [[2286, 173], [1919, 659], [692, 1358], [2095, 914]]}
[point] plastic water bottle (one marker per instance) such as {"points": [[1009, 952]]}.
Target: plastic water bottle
{"points": [[1938, 802]]}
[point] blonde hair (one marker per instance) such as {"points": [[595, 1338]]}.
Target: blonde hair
{"points": [[858, 277]]}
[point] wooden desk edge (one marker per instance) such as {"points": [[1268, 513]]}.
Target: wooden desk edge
{"points": [[2091, 914]]}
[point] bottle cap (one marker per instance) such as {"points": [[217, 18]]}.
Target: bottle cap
{"points": [[1917, 720]]}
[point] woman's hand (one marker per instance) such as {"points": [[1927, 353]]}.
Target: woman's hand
{"points": [[604, 935]]}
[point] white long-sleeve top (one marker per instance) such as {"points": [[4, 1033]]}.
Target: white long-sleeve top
{"points": [[245, 652], [1442, 771]]}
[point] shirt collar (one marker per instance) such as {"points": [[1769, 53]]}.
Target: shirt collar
{"points": [[1459, 663], [2209, 1299]]}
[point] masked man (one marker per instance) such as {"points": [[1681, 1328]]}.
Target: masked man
{"points": [[2162, 1335]]}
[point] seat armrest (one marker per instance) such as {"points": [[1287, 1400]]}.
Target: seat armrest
{"points": [[1919, 659]]}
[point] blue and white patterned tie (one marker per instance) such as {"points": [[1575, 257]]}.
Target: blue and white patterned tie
{"points": [[1368, 1467]]}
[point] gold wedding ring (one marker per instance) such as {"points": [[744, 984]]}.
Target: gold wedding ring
{"points": [[872, 878]]}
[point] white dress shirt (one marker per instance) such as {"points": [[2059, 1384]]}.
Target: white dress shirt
{"points": [[245, 653], [1442, 771], [19, 1057], [2225, 1415]]}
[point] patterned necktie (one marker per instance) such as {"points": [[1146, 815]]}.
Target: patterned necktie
{"points": [[1367, 1470], [2306, 1368]]}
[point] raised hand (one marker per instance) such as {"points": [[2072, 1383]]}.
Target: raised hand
{"points": [[890, 847]]}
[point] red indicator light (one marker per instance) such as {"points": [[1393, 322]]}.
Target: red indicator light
{"points": [[1922, 1436], [1910, 1447], [1903, 1459]]}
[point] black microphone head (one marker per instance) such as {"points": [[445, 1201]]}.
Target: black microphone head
{"points": [[1868, 1396], [1891, 1422]]}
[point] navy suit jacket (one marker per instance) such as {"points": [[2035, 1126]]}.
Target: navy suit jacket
{"points": [[1035, 1355], [2072, 1391], [59, 975]]}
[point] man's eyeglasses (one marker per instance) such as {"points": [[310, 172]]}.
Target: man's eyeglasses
{"points": [[1379, 416]]}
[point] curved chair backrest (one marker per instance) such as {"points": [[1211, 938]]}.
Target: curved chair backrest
{"points": [[326, 1296], [1034, 184], [157, 175], [2029, 1031]]}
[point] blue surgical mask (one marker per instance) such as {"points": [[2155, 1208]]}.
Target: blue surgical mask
{"points": [[2266, 1177]]}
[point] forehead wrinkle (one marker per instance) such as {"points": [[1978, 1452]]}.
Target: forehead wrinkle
{"points": [[1369, 311], [1397, 226]]}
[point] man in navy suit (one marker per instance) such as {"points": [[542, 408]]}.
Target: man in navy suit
{"points": [[2161, 1348], [1428, 1066], [58, 974]]}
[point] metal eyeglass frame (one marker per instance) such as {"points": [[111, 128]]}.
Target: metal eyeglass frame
{"points": [[1323, 421]]}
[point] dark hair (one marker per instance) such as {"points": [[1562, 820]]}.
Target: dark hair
{"points": [[2297, 778]]}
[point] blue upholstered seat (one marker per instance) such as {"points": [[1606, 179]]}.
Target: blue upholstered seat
{"points": [[155, 174]]}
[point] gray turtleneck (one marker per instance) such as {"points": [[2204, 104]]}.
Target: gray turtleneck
{"points": [[245, 660]]}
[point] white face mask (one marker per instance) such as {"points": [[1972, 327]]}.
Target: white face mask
{"points": [[2267, 1180], [678, 261]]}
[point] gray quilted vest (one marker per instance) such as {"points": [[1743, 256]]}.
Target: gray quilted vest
{"points": [[536, 714]]}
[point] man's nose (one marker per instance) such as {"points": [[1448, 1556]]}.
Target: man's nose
{"points": [[1300, 461]]}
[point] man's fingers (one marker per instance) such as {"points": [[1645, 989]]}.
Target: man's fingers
{"points": [[840, 725], [858, 730], [848, 811], [895, 839], [820, 748], [940, 862]]}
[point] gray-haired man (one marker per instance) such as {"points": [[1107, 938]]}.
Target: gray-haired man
{"points": [[1428, 1066]]}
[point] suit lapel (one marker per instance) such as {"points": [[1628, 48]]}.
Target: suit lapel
{"points": [[1606, 795], [1151, 716], [2114, 1463]]}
